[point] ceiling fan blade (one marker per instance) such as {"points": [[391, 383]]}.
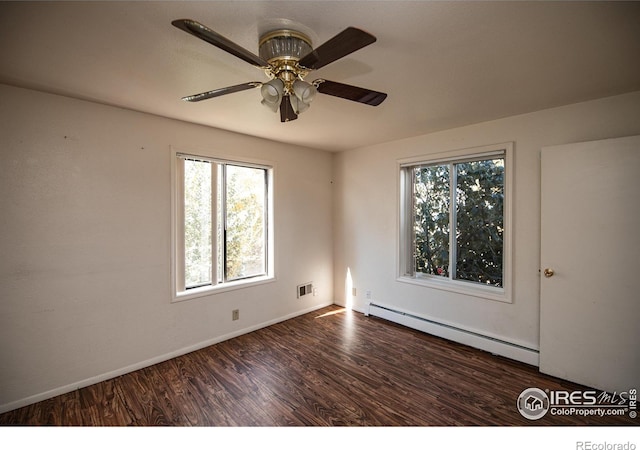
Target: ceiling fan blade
{"points": [[221, 91], [210, 36], [286, 110], [345, 42], [348, 92]]}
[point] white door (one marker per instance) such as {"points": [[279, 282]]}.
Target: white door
{"points": [[590, 250]]}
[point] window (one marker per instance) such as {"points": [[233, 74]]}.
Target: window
{"points": [[455, 221], [221, 224]]}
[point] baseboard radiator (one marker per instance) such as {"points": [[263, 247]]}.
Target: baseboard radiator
{"points": [[457, 334]]}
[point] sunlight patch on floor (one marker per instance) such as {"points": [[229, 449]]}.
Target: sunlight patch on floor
{"points": [[331, 313]]}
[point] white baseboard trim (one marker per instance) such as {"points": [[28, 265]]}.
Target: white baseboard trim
{"points": [[149, 362], [453, 332]]}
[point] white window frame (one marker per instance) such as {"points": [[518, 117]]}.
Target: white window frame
{"points": [[406, 272], [179, 292]]}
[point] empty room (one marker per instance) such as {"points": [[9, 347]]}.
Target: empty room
{"points": [[320, 214]]}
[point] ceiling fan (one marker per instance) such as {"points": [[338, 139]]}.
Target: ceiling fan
{"points": [[286, 56]]}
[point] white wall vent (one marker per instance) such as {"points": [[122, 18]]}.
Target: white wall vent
{"points": [[305, 289]]}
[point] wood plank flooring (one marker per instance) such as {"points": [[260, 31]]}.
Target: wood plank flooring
{"points": [[328, 368]]}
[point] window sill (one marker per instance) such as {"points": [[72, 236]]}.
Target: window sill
{"points": [[220, 288], [460, 287]]}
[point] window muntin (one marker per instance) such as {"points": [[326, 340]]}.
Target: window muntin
{"points": [[454, 221], [221, 217]]}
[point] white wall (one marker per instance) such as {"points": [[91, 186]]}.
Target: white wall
{"points": [[85, 243], [366, 214]]}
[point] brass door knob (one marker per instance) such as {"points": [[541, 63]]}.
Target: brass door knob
{"points": [[548, 272]]}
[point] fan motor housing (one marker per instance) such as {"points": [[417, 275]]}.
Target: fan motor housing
{"points": [[282, 49], [284, 45]]}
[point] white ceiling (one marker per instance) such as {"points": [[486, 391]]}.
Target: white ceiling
{"points": [[443, 64]]}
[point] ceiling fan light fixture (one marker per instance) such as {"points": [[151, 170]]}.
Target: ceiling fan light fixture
{"points": [[305, 92], [303, 95], [298, 105], [272, 93]]}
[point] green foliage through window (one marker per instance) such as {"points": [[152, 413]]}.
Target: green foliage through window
{"points": [[246, 231], [466, 197], [225, 222], [197, 223]]}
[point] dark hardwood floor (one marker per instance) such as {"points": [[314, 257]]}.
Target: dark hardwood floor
{"points": [[328, 368]]}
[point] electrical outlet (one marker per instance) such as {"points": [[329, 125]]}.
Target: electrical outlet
{"points": [[353, 292], [368, 295], [235, 314]]}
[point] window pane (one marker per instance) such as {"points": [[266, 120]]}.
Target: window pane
{"points": [[220, 224], [197, 223], [479, 220], [431, 223], [246, 230]]}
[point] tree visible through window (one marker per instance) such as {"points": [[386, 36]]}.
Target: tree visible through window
{"points": [[245, 222], [224, 222], [198, 231], [480, 221], [457, 221]]}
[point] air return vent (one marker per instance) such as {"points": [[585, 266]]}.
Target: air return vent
{"points": [[305, 289]]}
